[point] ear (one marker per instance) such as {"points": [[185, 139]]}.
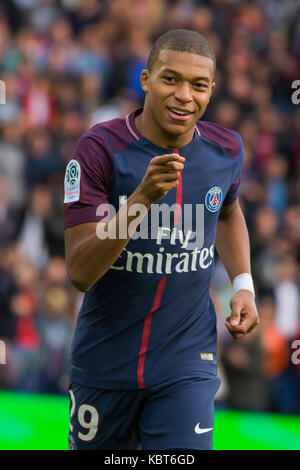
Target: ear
{"points": [[213, 85], [144, 79]]}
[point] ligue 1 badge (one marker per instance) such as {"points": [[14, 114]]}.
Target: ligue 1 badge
{"points": [[213, 199], [72, 182]]}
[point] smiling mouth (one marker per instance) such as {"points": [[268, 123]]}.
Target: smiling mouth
{"points": [[179, 115], [180, 112]]}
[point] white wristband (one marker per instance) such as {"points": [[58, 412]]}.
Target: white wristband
{"points": [[243, 281]]}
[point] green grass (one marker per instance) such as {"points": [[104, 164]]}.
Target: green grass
{"points": [[33, 422], [236, 430], [40, 422]]}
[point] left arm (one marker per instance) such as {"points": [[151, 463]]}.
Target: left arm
{"points": [[232, 244]]}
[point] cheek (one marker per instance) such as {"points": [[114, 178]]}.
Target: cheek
{"points": [[207, 96], [157, 98], [160, 92], [203, 100]]}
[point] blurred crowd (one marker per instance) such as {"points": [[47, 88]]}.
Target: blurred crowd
{"points": [[69, 64]]}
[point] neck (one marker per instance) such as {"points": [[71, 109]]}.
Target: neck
{"points": [[150, 129]]}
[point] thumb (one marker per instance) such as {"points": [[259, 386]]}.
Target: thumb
{"points": [[235, 316]]}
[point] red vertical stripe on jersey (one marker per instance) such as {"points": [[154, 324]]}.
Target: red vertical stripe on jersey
{"points": [[146, 332], [177, 212]]}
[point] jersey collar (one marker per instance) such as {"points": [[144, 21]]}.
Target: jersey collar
{"points": [[130, 123]]}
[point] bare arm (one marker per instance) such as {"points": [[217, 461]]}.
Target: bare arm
{"points": [[232, 244], [232, 240], [88, 257]]}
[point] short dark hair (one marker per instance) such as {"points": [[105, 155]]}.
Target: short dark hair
{"points": [[181, 40]]}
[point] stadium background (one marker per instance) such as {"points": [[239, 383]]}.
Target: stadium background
{"points": [[71, 63]]}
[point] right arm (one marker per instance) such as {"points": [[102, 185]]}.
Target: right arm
{"points": [[88, 257]]}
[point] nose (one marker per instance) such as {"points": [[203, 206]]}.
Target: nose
{"points": [[183, 93]]}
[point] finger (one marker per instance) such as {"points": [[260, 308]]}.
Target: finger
{"points": [[252, 328], [171, 176], [174, 165], [169, 184], [243, 327], [235, 316], [234, 334], [163, 159], [241, 330], [234, 328], [161, 170], [247, 321]]}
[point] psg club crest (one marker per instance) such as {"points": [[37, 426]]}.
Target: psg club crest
{"points": [[213, 199]]}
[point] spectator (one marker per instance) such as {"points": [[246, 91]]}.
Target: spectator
{"points": [[12, 162], [242, 363], [9, 217], [41, 162], [24, 351], [32, 234], [55, 327], [281, 377]]}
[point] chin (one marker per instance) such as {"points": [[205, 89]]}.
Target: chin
{"points": [[178, 129]]}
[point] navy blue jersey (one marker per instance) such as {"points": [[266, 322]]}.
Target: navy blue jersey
{"points": [[150, 319]]}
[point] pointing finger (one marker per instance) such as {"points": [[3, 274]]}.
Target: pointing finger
{"points": [[163, 159]]}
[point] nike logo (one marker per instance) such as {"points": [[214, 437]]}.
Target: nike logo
{"points": [[198, 430]]}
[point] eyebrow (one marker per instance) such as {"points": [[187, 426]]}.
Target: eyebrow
{"points": [[205, 79]]}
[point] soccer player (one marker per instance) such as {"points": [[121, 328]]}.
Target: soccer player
{"points": [[143, 368]]}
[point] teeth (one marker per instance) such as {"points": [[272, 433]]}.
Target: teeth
{"points": [[176, 111]]}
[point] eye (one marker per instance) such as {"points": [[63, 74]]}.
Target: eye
{"points": [[200, 85], [169, 79]]}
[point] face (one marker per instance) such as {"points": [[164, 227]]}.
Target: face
{"points": [[178, 90]]}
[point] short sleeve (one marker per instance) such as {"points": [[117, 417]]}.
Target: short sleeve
{"points": [[233, 191], [86, 184]]}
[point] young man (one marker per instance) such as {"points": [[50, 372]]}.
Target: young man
{"points": [[143, 366]]}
